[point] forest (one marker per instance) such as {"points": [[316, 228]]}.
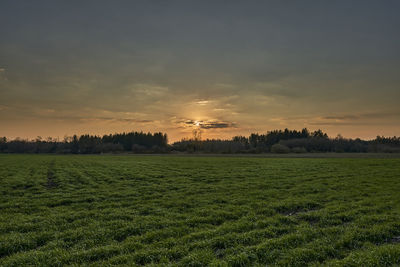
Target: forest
{"points": [[276, 141]]}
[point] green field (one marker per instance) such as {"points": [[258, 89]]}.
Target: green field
{"points": [[198, 211]]}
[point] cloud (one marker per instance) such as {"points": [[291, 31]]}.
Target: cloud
{"points": [[360, 119], [150, 90], [110, 119], [50, 114], [343, 117], [107, 119], [337, 123], [368, 115], [210, 124], [203, 102], [3, 74], [216, 125]]}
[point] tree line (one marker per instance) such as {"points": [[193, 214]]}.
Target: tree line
{"points": [[137, 142], [276, 141], [289, 141]]}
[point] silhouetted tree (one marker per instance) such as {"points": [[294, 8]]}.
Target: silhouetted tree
{"points": [[277, 141]]}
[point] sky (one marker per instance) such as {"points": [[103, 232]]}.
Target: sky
{"points": [[223, 68]]}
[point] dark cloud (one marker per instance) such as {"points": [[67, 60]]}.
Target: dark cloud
{"points": [[188, 122], [210, 124], [108, 119], [368, 115], [216, 125], [93, 118], [339, 123], [343, 117]]}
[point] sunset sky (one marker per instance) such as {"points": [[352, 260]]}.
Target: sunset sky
{"points": [[225, 67]]}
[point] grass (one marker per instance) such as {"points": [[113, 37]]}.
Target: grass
{"points": [[197, 211]]}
